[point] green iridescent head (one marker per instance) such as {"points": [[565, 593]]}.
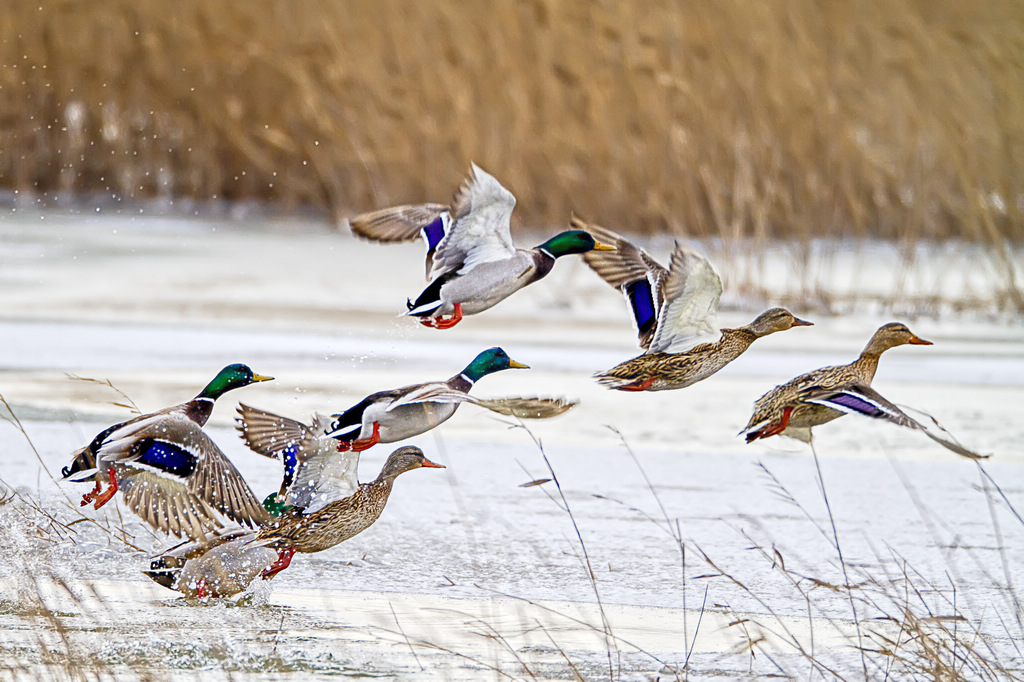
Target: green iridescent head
{"points": [[573, 241], [490, 361], [231, 377], [275, 508]]}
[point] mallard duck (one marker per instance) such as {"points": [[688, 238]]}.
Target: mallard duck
{"points": [[168, 470], [818, 397], [391, 416], [319, 527], [676, 315], [321, 504], [220, 565], [472, 263]]}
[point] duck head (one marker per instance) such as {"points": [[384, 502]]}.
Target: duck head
{"points": [[231, 377], [776, 320], [491, 360], [892, 335], [572, 241], [406, 459]]}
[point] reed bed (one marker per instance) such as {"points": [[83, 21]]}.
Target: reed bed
{"points": [[733, 120]]}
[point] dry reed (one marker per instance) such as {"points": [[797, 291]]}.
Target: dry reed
{"points": [[726, 119]]}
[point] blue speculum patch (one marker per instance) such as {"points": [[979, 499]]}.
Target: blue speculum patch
{"points": [[641, 300], [291, 461], [856, 403], [434, 232], [168, 457]]}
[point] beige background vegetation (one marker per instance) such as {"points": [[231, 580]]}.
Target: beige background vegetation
{"points": [[732, 118]]}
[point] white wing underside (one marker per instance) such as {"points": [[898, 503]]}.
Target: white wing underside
{"points": [[322, 474], [325, 476], [480, 230], [689, 315]]}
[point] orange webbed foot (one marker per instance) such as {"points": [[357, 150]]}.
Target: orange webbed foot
{"points": [[772, 429], [98, 495], [91, 495], [284, 559], [361, 444], [638, 386], [443, 322]]}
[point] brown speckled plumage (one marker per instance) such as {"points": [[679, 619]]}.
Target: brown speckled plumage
{"points": [[678, 326], [340, 520], [668, 371], [785, 409]]}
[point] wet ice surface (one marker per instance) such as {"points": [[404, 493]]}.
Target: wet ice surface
{"points": [[158, 306]]}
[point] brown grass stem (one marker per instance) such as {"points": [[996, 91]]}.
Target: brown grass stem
{"points": [[842, 562]]}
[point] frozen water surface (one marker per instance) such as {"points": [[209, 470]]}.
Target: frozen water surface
{"points": [[467, 575]]}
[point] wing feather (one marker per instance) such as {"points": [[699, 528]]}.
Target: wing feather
{"points": [[481, 226], [396, 224], [321, 473], [689, 314], [863, 400], [631, 270]]}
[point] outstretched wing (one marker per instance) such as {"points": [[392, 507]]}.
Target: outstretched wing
{"points": [[481, 226], [168, 508], [433, 392], [631, 270], [174, 475], [864, 400], [689, 314], [522, 407], [405, 224], [315, 473], [396, 224]]}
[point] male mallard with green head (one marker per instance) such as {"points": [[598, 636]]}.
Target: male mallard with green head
{"points": [[168, 470], [472, 263], [401, 413], [676, 315], [794, 408]]}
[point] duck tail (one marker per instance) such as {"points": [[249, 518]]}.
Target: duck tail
{"points": [[163, 573], [609, 380], [83, 465], [167, 567], [427, 303]]}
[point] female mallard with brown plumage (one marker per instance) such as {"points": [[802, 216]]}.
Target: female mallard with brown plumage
{"points": [[472, 263], [818, 397], [314, 529], [676, 315], [320, 504], [168, 470]]}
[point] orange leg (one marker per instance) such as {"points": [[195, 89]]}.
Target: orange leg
{"points": [[105, 496], [638, 386], [101, 498], [284, 558], [361, 444], [91, 495], [772, 429], [442, 322]]}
